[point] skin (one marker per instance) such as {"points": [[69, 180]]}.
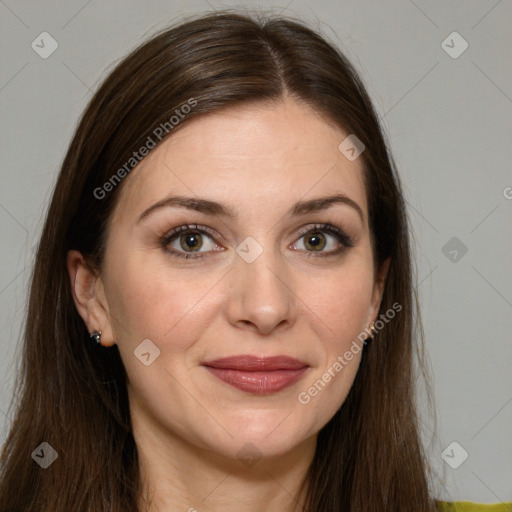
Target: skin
{"points": [[259, 160]]}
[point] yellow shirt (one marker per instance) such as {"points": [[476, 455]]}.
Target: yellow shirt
{"points": [[467, 506]]}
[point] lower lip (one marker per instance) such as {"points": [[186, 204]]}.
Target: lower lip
{"points": [[259, 382]]}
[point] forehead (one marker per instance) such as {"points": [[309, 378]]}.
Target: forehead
{"points": [[256, 153]]}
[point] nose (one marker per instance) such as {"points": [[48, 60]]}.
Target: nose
{"points": [[261, 295]]}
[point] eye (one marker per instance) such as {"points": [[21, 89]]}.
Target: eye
{"points": [[192, 241], [323, 236], [189, 241]]}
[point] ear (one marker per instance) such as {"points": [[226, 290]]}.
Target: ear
{"points": [[378, 290], [89, 296]]}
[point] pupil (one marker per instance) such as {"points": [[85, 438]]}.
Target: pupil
{"points": [[191, 241], [315, 241]]}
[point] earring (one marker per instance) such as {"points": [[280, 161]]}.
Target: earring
{"points": [[370, 338], [96, 336]]}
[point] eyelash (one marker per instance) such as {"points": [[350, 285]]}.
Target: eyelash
{"points": [[345, 240]]}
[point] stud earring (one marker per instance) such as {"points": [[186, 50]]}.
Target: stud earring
{"points": [[370, 338], [96, 337]]}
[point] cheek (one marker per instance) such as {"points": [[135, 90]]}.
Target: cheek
{"points": [[341, 305], [341, 302], [152, 301]]}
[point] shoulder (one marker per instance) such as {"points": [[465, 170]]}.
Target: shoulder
{"points": [[467, 506]]}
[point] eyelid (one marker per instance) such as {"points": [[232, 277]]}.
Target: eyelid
{"points": [[169, 236], [190, 227], [338, 233]]}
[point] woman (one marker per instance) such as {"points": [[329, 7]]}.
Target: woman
{"points": [[222, 312]]}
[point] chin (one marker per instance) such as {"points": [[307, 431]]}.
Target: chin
{"points": [[268, 433]]}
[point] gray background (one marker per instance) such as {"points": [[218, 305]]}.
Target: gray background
{"points": [[449, 123]]}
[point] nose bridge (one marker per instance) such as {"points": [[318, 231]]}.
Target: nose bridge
{"points": [[260, 293]]}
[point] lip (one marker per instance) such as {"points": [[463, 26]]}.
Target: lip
{"points": [[250, 363], [257, 375]]}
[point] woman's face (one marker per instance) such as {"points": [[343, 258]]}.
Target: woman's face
{"points": [[257, 274]]}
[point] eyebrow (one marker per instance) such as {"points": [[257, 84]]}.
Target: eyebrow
{"points": [[218, 209]]}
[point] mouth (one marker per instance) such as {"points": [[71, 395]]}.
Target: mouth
{"points": [[258, 375]]}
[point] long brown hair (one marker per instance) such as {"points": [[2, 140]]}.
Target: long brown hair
{"points": [[72, 394]]}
